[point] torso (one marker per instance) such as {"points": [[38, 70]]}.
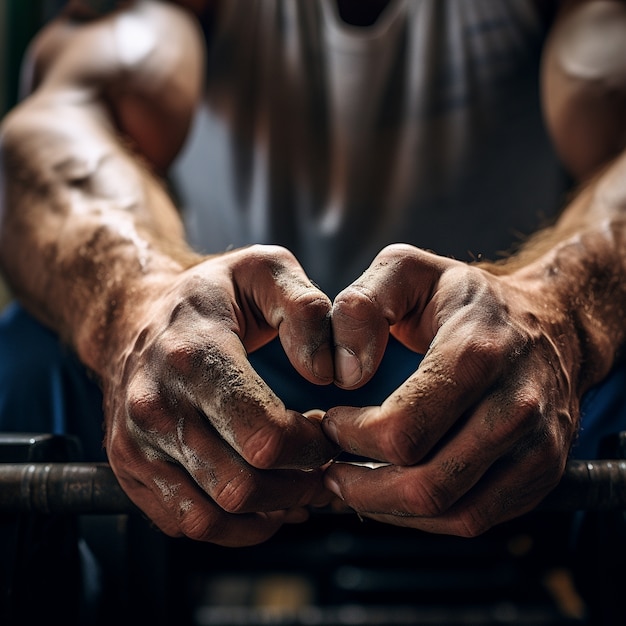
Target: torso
{"points": [[334, 139]]}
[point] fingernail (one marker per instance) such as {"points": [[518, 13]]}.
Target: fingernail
{"points": [[347, 367], [331, 430], [322, 364], [314, 414], [331, 485]]}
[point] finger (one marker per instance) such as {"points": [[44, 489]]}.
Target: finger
{"points": [[167, 465], [457, 464], [400, 281], [180, 508], [253, 420], [222, 394], [270, 279], [204, 365], [228, 479], [411, 421], [510, 489]]}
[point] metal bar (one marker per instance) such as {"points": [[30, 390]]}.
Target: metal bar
{"points": [[590, 485], [82, 488], [61, 488]]}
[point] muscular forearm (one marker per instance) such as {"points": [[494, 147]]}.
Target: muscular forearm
{"points": [[86, 222], [85, 227]]}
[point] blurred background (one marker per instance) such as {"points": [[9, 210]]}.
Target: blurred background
{"points": [[19, 20], [4, 97]]}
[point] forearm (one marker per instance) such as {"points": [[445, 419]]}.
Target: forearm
{"points": [[86, 229], [578, 267], [86, 223]]}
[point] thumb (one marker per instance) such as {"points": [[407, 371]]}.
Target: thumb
{"points": [[395, 288]]}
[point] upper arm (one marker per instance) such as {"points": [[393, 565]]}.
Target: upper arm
{"points": [[584, 83], [143, 64]]}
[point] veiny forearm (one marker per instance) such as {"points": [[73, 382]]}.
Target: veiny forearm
{"points": [[85, 228]]}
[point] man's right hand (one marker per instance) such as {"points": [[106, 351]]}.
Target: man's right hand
{"points": [[196, 438]]}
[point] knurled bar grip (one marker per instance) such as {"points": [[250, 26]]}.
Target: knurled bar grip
{"points": [[66, 488], [591, 486], [90, 488]]}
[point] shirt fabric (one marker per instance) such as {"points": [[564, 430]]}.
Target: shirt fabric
{"points": [[335, 140]]}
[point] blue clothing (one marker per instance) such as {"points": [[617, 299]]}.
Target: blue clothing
{"points": [[44, 388]]}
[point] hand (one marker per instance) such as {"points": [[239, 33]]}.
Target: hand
{"points": [[195, 437], [481, 431]]}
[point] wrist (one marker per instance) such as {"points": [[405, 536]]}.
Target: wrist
{"points": [[115, 318], [578, 293]]}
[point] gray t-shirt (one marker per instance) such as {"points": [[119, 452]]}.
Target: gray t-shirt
{"points": [[335, 140]]}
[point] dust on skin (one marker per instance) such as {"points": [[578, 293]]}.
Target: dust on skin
{"points": [[157, 446], [241, 398], [169, 491], [413, 392]]}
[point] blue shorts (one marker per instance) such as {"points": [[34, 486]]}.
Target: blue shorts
{"points": [[44, 388]]}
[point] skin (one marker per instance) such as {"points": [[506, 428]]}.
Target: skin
{"points": [[481, 432], [93, 246], [195, 437]]}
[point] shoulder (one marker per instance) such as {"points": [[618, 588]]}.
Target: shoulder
{"points": [[137, 39], [138, 68], [584, 83], [589, 32]]}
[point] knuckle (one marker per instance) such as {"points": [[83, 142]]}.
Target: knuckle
{"points": [[482, 349], [186, 358], [401, 448], [396, 251], [530, 407], [235, 495], [195, 524], [427, 498], [312, 305], [201, 296], [273, 252], [262, 450], [355, 304], [182, 356], [481, 360], [482, 355], [144, 409], [276, 258], [472, 523]]}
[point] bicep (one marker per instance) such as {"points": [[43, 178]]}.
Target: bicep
{"points": [[584, 84], [144, 64]]}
